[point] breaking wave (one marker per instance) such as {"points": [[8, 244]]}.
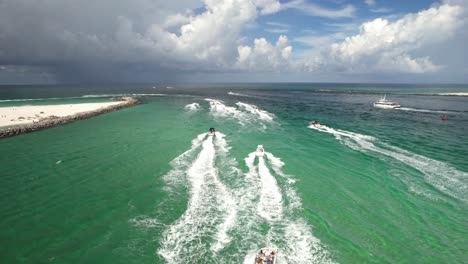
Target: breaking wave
{"points": [[440, 175]]}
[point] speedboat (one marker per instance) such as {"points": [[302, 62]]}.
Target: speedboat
{"points": [[383, 103], [211, 132], [315, 124], [260, 151], [266, 256]]}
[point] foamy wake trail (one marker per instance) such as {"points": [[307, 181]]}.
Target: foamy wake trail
{"points": [[244, 113], [425, 110], [258, 113], [193, 107], [176, 177], [238, 94], [229, 204], [440, 175], [291, 235], [270, 206], [211, 211]]}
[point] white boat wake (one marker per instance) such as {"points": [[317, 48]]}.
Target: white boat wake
{"points": [[440, 175], [193, 107], [244, 113], [270, 205], [238, 94], [426, 110], [279, 205], [211, 210], [231, 214]]}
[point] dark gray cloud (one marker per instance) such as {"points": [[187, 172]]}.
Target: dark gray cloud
{"points": [[47, 41]]}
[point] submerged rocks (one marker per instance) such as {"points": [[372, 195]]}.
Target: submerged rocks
{"points": [[51, 121]]}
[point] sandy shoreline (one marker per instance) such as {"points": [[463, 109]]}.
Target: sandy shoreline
{"points": [[21, 115], [15, 120]]}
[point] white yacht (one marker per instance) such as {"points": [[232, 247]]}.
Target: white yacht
{"points": [[383, 103], [266, 256]]}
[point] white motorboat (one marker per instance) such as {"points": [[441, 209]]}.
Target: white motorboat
{"points": [[266, 256], [260, 151], [383, 103]]}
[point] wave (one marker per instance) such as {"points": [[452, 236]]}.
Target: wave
{"points": [[238, 94], [211, 209], [244, 113], [192, 107], [440, 175]]}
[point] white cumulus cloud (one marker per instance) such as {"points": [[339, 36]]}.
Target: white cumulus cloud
{"points": [[264, 56], [388, 46]]}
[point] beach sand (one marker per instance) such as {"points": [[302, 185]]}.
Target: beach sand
{"points": [[20, 115]]}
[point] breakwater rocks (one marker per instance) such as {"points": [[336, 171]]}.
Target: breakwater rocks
{"points": [[52, 121]]}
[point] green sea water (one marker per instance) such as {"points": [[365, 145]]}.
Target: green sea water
{"points": [[147, 185]]}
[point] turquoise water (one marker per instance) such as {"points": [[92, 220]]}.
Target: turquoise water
{"points": [[146, 185]]}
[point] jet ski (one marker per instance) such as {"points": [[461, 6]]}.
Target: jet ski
{"points": [[260, 151], [211, 132], [266, 256]]}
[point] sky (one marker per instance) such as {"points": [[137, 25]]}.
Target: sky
{"points": [[170, 41]]}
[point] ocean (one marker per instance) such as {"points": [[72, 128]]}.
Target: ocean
{"points": [[147, 185]]}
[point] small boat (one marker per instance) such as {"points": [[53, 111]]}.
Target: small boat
{"points": [[260, 151], [211, 132], [266, 256], [315, 123], [383, 103]]}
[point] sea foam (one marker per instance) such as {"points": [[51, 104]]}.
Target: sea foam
{"points": [[440, 175]]}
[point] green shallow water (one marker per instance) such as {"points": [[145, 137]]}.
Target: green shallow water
{"points": [[106, 189]]}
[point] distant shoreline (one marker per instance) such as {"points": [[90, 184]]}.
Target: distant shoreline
{"points": [[53, 120], [393, 93]]}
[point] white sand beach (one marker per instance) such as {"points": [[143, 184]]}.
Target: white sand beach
{"points": [[19, 115]]}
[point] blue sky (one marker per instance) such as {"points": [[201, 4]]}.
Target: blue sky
{"points": [[60, 41]]}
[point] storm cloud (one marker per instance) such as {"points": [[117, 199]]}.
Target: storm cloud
{"points": [[146, 40]]}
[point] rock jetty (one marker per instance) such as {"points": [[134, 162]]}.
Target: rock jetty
{"points": [[52, 121]]}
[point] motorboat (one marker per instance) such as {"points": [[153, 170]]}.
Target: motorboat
{"points": [[315, 123], [266, 256], [260, 151], [383, 103], [211, 132]]}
